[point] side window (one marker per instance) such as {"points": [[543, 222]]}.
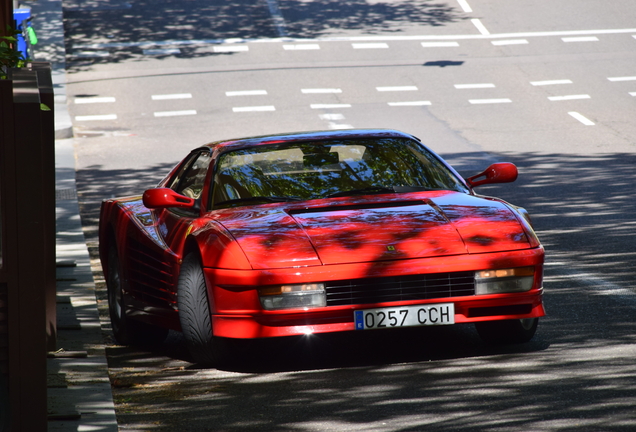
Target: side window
{"points": [[191, 178]]}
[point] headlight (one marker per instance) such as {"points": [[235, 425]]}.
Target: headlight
{"points": [[497, 281], [293, 296]]}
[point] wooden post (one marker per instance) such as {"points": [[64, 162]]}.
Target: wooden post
{"points": [[26, 269]]}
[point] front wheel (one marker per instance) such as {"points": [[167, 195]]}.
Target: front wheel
{"points": [[507, 331], [194, 314]]}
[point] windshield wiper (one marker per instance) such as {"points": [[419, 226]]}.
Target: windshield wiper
{"points": [[267, 199], [363, 191]]}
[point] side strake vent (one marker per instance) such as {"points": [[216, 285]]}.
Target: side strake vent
{"points": [[400, 288]]}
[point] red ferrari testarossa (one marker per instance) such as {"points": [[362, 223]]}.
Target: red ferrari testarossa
{"points": [[316, 232]]}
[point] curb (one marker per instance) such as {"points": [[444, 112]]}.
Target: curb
{"points": [[79, 394]]}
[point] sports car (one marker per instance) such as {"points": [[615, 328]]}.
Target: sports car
{"points": [[318, 232]]}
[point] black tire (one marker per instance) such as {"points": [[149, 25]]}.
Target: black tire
{"points": [[194, 315], [125, 330], [507, 331]]}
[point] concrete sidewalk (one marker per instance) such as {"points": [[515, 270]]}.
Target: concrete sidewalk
{"points": [[79, 391]]}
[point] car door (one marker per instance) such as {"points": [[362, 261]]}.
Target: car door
{"points": [[152, 280]]}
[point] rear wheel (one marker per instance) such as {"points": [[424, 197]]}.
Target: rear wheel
{"points": [[194, 314], [125, 330], [507, 331]]}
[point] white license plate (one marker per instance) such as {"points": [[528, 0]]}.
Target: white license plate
{"points": [[405, 316]]}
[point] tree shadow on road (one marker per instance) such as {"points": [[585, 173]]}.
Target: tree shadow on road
{"points": [[111, 31], [577, 374]]}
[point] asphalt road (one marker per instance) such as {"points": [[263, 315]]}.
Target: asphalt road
{"points": [[550, 86]]}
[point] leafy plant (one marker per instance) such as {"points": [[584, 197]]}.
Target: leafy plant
{"points": [[9, 56]]}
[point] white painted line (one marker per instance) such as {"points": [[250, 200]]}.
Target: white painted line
{"points": [[190, 42], [301, 47], [439, 44], [412, 103], [277, 17], [91, 54], [246, 93], [231, 48], [172, 96], [474, 86], [510, 42], [96, 117], [581, 118], [377, 45], [339, 126], [550, 82], [91, 100], [568, 97], [396, 88], [321, 90], [625, 78], [331, 117], [632, 93], [174, 113], [329, 106], [482, 28], [489, 101], [580, 39], [465, 6], [254, 108], [161, 51]]}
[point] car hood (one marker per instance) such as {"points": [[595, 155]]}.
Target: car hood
{"points": [[358, 230]]}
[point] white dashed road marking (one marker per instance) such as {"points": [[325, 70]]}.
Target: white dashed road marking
{"points": [[96, 117], [92, 100], [301, 47], [581, 118], [489, 101], [339, 126], [91, 54], [632, 93], [580, 39], [376, 45], [396, 88], [254, 108], [246, 93], [550, 82], [162, 51], [412, 103], [474, 86], [172, 96], [331, 117], [625, 78], [175, 113], [329, 106], [230, 48], [321, 90], [568, 97]]}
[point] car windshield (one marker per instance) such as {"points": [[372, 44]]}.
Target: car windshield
{"points": [[322, 169]]}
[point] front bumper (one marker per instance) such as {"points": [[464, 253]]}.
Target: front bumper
{"points": [[236, 311]]}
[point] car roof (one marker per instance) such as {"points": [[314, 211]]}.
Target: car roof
{"points": [[327, 135]]}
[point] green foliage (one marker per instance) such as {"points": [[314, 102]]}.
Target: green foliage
{"points": [[10, 57]]}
